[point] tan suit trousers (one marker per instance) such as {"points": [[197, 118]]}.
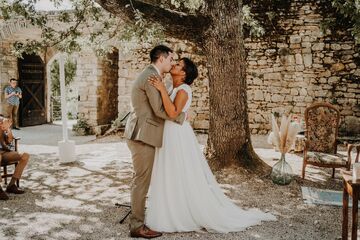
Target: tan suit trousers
{"points": [[143, 160], [12, 113]]}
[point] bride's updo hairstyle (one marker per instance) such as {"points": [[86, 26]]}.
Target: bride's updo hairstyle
{"points": [[190, 70]]}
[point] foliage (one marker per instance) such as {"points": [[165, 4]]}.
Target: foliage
{"points": [[82, 127], [87, 25], [141, 31], [269, 13], [339, 15], [192, 5], [350, 9], [348, 16], [70, 70], [256, 30], [65, 39]]}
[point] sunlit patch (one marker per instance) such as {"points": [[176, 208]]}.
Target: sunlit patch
{"points": [[69, 234], [313, 173], [34, 224], [60, 202], [101, 177]]}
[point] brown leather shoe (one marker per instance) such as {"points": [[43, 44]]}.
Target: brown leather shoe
{"points": [[144, 232], [14, 189], [3, 195]]}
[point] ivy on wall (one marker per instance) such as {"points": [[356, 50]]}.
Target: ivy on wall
{"points": [[340, 15]]}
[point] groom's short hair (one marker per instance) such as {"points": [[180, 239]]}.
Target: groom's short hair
{"points": [[159, 50]]}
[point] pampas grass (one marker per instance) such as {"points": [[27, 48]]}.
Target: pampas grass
{"points": [[284, 137]]}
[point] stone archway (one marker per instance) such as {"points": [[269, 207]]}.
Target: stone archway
{"points": [[96, 83], [53, 85]]}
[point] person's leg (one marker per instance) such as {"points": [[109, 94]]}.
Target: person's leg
{"points": [[15, 110], [143, 159], [3, 195], [8, 111], [22, 159]]}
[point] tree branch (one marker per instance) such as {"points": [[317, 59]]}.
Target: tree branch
{"points": [[176, 24]]}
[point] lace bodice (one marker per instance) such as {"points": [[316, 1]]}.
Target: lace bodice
{"points": [[187, 88]]}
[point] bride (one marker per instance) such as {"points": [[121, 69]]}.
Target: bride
{"points": [[184, 195]]}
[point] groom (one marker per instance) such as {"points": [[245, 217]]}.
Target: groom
{"points": [[144, 132]]}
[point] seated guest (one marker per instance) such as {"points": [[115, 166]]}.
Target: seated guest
{"points": [[8, 156]]}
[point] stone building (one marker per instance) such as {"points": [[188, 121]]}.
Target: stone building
{"points": [[284, 74], [96, 79]]}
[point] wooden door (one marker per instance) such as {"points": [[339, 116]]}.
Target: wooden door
{"points": [[32, 82]]}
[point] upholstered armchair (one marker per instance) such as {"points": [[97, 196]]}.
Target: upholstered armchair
{"points": [[322, 123]]}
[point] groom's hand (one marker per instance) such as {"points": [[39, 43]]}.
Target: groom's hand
{"points": [[157, 83]]}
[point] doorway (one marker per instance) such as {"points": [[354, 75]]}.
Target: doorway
{"points": [[32, 109]]}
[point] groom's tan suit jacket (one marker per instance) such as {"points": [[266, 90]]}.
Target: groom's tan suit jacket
{"points": [[146, 121]]}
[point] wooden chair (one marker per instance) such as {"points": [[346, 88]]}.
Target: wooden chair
{"points": [[322, 124], [5, 172], [350, 147]]}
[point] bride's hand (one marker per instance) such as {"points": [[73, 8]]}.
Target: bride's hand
{"points": [[157, 83]]}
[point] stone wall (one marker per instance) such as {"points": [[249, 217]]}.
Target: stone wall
{"points": [[130, 65], [8, 70], [98, 88], [87, 73], [288, 73]]}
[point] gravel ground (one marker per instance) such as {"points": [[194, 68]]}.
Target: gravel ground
{"points": [[77, 201]]}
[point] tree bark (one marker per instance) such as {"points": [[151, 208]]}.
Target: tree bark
{"points": [[229, 139]]}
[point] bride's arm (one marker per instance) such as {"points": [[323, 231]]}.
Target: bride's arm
{"points": [[173, 109]]}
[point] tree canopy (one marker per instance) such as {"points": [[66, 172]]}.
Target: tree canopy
{"points": [[88, 25]]}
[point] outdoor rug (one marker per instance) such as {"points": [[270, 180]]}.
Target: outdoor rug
{"points": [[323, 196]]}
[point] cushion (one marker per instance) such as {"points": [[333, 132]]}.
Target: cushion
{"points": [[326, 158]]}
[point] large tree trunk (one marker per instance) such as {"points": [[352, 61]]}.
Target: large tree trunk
{"points": [[229, 134]]}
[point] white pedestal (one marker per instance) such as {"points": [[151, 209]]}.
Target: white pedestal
{"points": [[67, 151]]}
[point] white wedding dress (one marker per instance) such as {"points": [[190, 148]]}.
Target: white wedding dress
{"points": [[184, 195]]}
